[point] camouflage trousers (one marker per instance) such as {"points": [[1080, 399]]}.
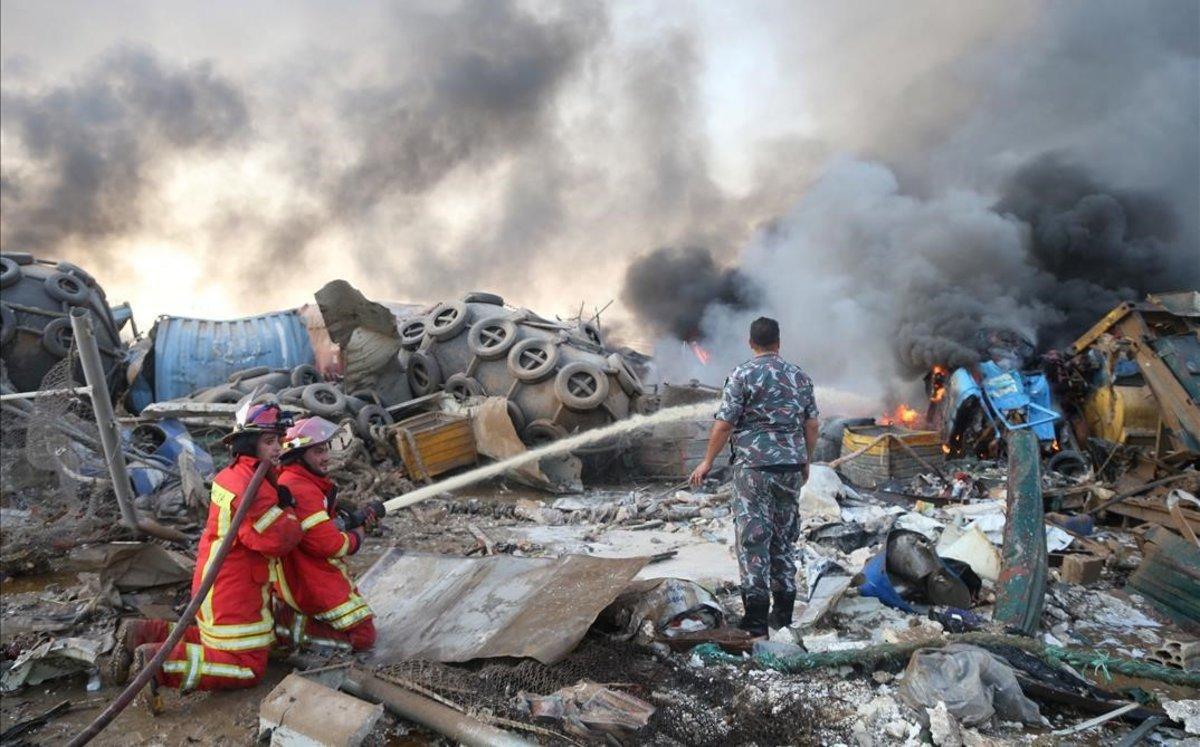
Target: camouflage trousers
{"points": [[767, 526]]}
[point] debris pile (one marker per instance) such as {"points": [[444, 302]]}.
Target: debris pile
{"points": [[1016, 560]]}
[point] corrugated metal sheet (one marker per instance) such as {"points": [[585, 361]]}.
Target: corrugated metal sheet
{"points": [[191, 354], [445, 608]]}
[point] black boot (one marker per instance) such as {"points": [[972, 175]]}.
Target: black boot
{"points": [[781, 613], [754, 621]]}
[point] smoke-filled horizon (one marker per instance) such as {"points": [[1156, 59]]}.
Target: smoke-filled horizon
{"points": [[882, 178], [1064, 179]]}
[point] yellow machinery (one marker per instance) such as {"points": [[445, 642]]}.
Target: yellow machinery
{"points": [[1123, 414], [1162, 337]]}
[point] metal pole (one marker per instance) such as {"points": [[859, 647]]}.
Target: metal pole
{"points": [[45, 393], [106, 423]]}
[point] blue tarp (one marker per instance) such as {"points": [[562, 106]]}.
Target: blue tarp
{"points": [[146, 479]]}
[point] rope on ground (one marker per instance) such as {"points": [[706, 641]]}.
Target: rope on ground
{"points": [[872, 656]]}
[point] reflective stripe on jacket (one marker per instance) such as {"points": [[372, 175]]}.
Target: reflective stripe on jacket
{"points": [[236, 612], [313, 579]]}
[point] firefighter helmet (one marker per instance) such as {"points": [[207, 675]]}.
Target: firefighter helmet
{"points": [[308, 432]]}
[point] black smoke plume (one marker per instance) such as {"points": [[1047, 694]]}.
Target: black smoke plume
{"points": [[93, 145], [671, 288], [1094, 245]]}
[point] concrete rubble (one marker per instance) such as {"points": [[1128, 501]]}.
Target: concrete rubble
{"points": [[300, 711], [956, 586]]}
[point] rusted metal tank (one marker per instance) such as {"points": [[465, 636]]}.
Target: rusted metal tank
{"points": [[557, 376], [36, 298]]}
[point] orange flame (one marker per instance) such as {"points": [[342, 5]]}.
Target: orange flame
{"points": [[902, 415], [938, 379], [702, 355]]}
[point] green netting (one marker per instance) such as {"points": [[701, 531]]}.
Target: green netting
{"points": [[898, 653]]}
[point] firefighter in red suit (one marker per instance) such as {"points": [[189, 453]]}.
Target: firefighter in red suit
{"points": [[234, 630], [317, 604]]}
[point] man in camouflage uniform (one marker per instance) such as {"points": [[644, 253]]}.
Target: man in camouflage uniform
{"points": [[769, 410]]}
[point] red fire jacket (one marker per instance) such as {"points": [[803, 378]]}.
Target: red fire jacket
{"points": [[236, 613], [313, 579]]}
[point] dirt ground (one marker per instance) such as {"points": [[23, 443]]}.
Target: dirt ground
{"points": [[226, 718]]}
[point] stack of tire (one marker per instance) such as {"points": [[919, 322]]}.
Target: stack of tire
{"points": [[302, 388], [36, 299], [557, 377]]}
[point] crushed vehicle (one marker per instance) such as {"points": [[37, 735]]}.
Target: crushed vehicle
{"points": [[975, 407]]}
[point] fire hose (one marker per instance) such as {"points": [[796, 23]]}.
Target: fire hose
{"points": [[151, 669]]}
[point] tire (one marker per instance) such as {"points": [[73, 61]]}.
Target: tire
{"points": [[483, 297], [225, 395], [8, 324], [516, 415], [412, 332], [424, 374], [10, 271], [370, 396], [581, 385], [626, 378], [447, 320], [541, 432], [304, 374], [369, 416], [21, 258], [532, 359], [291, 395], [77, 271], [1068, 462], [490, 338], [591, 333], [354, 405], [66, 288], [247, 373], [325, 400], [272, 382], [462, 387], [57, 337]]}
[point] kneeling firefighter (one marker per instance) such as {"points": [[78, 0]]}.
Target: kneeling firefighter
{"points": [[317, 603], [227, 648]]}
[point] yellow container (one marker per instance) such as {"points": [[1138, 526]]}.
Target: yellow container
{"points": [[887, 460], [434, 442], [1123, 414]]}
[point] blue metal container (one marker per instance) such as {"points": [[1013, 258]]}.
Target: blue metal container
{"points": [[191, 354]]}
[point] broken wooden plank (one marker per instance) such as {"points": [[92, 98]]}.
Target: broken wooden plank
{"points": [[300, 711], [1155, 512], [183, 408]]}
